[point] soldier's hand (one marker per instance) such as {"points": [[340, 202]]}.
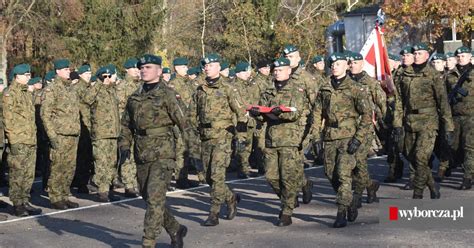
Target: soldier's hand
{"points": [[353, 146], [241, 145], [241, 127], [276, 111], [255, 112], [397, 135], [450, 138], [124, 155]]}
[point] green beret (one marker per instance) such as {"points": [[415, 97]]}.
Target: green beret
{"points": [[166, 70], [112, 69], [131, 63], [337, 56], [462, 49], [449, 55], [421, 46], [180, 61], [61, 64], [264, 63], [407, 50], [281, 62], [194, 71], [439, 56], [232, 72], [224, 65], [108, 69], [49, 75], [83, 69], [289, 49], [242, 66], [34, 80], [393, 57], [355, 56], [211, 58], [149, 59], [316, 59], [21, 69]]}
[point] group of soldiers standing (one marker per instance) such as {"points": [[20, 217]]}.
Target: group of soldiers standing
{"points": [[152, 124]]}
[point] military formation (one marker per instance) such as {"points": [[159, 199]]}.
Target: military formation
{"points": [[96, 132]]}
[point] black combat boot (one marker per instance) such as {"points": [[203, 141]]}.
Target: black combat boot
{"points": [[372, 192], [32, 210], [212, 220], [232, 207], [103, 197], [390, 179], [131, 193], [285, 220], [83, 189], [434, 191], [466, 184], [307, 193], [352, 211], [71, 204], [408, 186], [341, 220], [177, 239], [61, 205], [242, 175], [182, 183], [117, 184], [20, 210]]}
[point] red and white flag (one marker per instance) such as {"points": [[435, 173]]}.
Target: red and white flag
{"points": [[376, 59]]}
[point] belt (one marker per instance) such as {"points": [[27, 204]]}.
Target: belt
{"points": [[223, 124], [153, 131], [423, 111], [345, 123]]}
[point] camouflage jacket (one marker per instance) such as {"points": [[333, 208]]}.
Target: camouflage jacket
{"points": [[262, 81], [215, 107], [423, 98], [60, 109], [19, 115], [465, 107], [345, 110], [182, 86], [124, 90], [148, 120], [81, 89], [105, 119], [377, 97], [309, 84]]}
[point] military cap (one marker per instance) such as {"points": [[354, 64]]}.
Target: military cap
{"points": [[194, 71], [131, 63], [421, 46], [407, 50], [149, 59], [224, 65], [393, 57], [211, 58], [264, 63], [108, 69], [61, 64], [34, 80], [439, 56], [232, 72], [83, 69], [49, 75], [242, 66], [355, 56], [21, 69], [166, 70], [337, 56], [316, 59], [462, 49], [180, 61], [281, 62], [449, 55], [289, 49]]}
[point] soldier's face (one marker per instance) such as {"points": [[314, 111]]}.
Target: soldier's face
{"points": [[225, 72], [38, 86], [63, 73], [464, 58], [31, 88], [166, 77], [212, 70], [150, 73], [294, 58], [23, 79], [339, 68], [133, 72], [421, 56], [438, 64], [408, 59], [244, 75], [181, 70], [356, 66], [264, 70], [282, 73], [319, 66], [451, 62], [86, 76]]}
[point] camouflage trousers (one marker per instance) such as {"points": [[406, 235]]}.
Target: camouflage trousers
{"points": [[63, 165], [84, 160], [105, 157], [244, 156], [128, 172], [215, 155], [153, 180], [338, 167], [21, 160], [441, 151], [418, 149], [283, 171], [464, 143], [456, 151], [180, 170], [394, 159], [361, 177]]}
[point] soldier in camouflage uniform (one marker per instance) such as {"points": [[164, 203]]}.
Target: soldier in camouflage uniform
{"points": [[126, 87], [216, 105], [84, 160], [250, 94], [318, 66], [283, 165], [3, 179], [105, 129], [61, 119], [20, 130], [377, 102], [149, 117], [423, 110], [343, 104], [462, 109]]}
